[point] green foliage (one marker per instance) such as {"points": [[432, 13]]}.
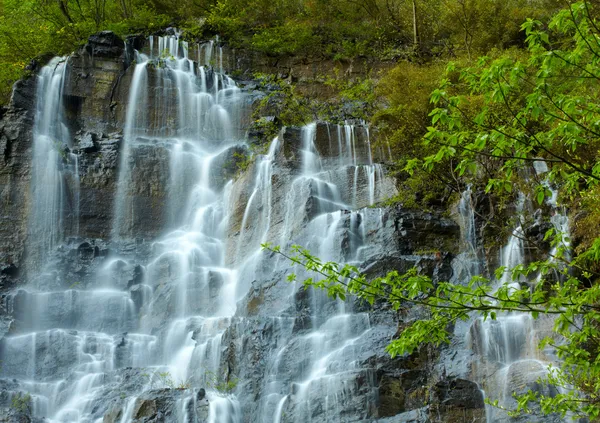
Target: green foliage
{"points": [[21, 403], [477, 26], [242, 161], [223, 385], [345, 30], [342, 30], [165, 379], [503, 114], [586, 220], [283, 102], [422, 191], [359, 91], [405, 89], [226, 19], [545, 107], [287, 39], [448, 303], [401, 125], [31, 28]]}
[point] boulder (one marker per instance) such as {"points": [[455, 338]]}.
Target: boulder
{"points": [[86, 142]]}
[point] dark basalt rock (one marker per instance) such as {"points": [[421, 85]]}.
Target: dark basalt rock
{"points": [[456, 399], [228, 164], [132, 43], [419, 232], [10, 415], [87, 142], [16, 127], [23, 95], [105, 44], [536, 233], [459, 393], [402, 393]]}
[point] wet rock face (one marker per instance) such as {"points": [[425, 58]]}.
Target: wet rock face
{"points": [[9, 415], [458, 400], [15, 148], [402, 393], [403, 384], [87, 102], [94, 86], [105, 44], [98, 163], [229, 164], [425, 232]]}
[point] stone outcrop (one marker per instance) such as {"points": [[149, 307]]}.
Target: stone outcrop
{"points": [[162, 405]]}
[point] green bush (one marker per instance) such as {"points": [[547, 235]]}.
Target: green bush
{"points": [[287, 39], [21, 402]]}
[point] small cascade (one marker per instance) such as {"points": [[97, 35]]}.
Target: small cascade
{"points": [[328, 349], [323, 379], [559, 218], [310, 159], [188, 103], [260, 199], [200, 298], [55, 203], [468, 263], [324, 192], [71, 342], [358, 154], [467, 214], [510, 360]]}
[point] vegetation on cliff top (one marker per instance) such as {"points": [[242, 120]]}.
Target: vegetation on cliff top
{"points": [[337, 29]]}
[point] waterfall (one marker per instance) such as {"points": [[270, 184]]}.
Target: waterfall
{"points": [[508, 358], [559, 219], [98, 349]]}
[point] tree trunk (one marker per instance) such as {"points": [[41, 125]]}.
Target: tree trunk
{"points": [[64, 10], [416, 41], [124, 7]]}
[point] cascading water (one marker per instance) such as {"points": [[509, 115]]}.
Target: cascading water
{"points": [[559, 218], [54, 207], [324, 379], [96, 352], [507, 347], [468, 263]]}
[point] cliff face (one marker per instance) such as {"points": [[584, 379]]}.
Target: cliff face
{"points": [[15, 141], [146, 296]]}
